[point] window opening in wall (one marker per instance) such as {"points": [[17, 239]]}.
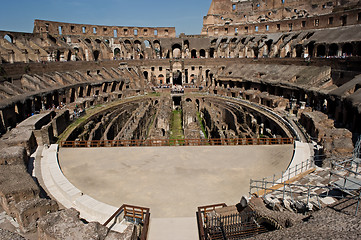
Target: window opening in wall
{"points": [[278, 26], [60, 30], [330, 20], [83, 29], [234, 7], [147, 44], [359, 17], [236, 30], [72, 28], [303, 24], [290, 25], [344, 20], [145, 32], [160, 69], [166, 32], [125, 31], [283, 1], [116, 53], [96, 54], [194, 53], [256, 28], [105, 29], [216, 31], [156, 32], [193, 68], [258, 5], [246, 28], [47, 27], [152, 68], [94, 30], [8, 38], [115, 33], [135, 32], [317, 22], [202, 53], [226, 30], [267, 28]]}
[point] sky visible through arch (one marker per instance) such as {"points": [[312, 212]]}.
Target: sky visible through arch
{"points": [[185, 15]]}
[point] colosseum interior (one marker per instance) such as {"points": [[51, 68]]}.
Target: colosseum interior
{"points": [[250, 129]]}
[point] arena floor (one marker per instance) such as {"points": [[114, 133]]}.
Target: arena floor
{"points": [[172, 181]]}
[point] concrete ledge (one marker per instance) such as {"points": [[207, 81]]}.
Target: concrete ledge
{"points": [[66, 193]]}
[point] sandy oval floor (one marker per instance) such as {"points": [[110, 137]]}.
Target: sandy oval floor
{"points": [[172, 181]]}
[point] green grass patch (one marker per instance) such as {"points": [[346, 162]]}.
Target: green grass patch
{"points": [[176, 127], [200, 121]]}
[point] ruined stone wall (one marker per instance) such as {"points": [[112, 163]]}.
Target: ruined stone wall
{"points": [[291, 41], [230, 18], [336, 142], [61, 28], [191, 127], [161, 121]]}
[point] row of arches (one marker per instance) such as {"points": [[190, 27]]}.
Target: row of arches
{"points": [[338, 50], [247, 47]]}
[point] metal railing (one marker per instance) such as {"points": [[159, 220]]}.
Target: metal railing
{"points": [[202, 218], [230, 226], [350, 177], [269, 183], [344, 170], [138, 215], [176, 142], [357, 149]]}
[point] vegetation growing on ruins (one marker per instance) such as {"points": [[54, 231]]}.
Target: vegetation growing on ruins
{"points": [[176, 125], [200, 121]]}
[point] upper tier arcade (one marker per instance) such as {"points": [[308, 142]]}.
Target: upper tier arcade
{"points": [[61, 28]]}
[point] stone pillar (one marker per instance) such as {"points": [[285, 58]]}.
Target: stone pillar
{"points": [[11, 56]]}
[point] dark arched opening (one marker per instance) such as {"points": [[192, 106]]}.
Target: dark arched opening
{"points": [[299, 50], [211, 53], [96, 54], [194, 53], [347, 49], [202, 53], [177, 78], [69, 56], [145, 74], [321, 51], [358, 49], [116, 53], [57, 57], [333, 49]]}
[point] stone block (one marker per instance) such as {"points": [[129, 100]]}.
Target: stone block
{"points": [[28, 212], [16, 185], [66, 224], [13, 156]]}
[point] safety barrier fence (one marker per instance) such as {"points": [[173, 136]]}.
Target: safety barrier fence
{"points": [[350, 182], [230, 226], [258, 187], [176, 142], [138, 215], [347, 171]]}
